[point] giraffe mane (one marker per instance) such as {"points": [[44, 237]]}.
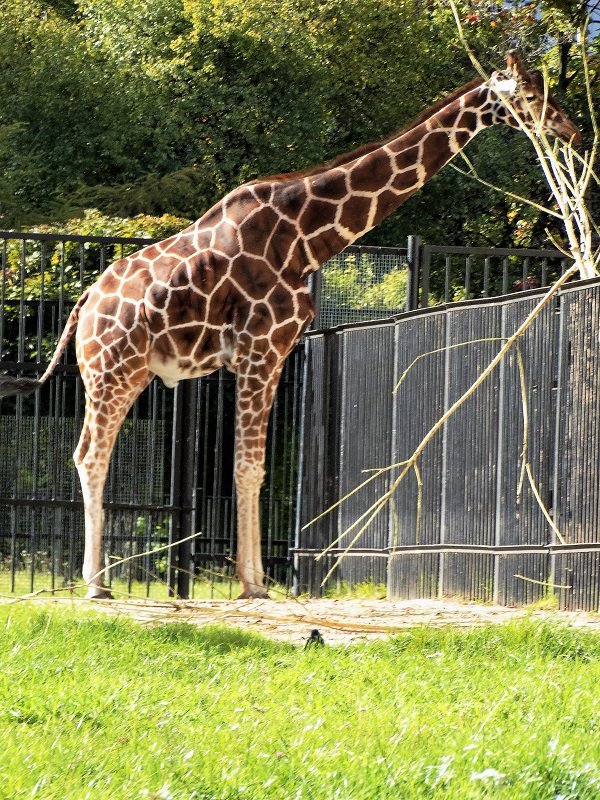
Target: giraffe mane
{"points": [[363, 149]]}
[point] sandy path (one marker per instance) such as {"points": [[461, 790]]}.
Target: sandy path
{"points": [[340, 621]]}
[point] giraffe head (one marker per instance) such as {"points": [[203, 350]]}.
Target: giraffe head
{"points": [[530, 100]]}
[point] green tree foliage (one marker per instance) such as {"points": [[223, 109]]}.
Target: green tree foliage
{"points": [[353, 283], [40, 276], [161, 106]]}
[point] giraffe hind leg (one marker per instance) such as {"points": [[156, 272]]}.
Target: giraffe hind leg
{"points": [[104, 416]]}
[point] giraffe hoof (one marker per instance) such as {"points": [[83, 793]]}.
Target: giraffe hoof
{"points": [[256, 594], [98, 593]]}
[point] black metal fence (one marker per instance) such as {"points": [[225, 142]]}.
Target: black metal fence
{"points": [[475, 529], [446, 274], [171, 474]]}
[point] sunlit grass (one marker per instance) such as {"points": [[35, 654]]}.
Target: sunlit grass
{"points": [[217, 587], [369, 590], [95, 707]]}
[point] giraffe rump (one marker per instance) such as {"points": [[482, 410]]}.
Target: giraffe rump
{"points": [[10, 386]]}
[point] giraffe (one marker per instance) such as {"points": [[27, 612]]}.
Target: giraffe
{"points": [[232, 290]]}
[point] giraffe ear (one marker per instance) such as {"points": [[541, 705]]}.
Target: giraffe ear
{"points": [[515, 66]]}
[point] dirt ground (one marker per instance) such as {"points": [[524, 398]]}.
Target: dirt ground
{"points": [[339, 621]]}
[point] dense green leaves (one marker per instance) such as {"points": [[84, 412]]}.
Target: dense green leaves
{"points": [[162, 106]]}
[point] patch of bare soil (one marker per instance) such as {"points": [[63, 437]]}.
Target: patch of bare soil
{"points": [[339, 621]]}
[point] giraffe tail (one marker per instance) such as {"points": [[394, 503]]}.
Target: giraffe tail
{"points": [[10, 385]]}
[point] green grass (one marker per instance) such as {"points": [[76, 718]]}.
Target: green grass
{"points": [[220, 589], [369, 590], [95, 707]]}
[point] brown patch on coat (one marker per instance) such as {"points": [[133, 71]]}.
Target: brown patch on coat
{"points": [[331, 184], [252, 276], [254, 231], [355, 213], [281, 243], [290, 198], [386, 203], [317, 214], [406, 181], [326, 244], [283, 336]]}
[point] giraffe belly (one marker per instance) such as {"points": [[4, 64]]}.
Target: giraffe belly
{"points": [[173, 370]]}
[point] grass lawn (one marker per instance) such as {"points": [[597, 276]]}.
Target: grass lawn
{"points": [[221, 589], [100, 707]]}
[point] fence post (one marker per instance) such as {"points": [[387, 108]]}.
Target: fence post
{"points": [[183, 475], [316, 287], [414, 269]]}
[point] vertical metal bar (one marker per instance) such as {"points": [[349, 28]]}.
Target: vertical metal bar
{"points": [[285, 448], [3, 295], [499, 462], [425, 270], [559, 411], [150, 498], [467, 277], [413, 259], [36, 417], [300, 473], [19, 399], [74, 485], [272, 466], [175, 494], [544, 271], [316, 288], [81, 267], [525, 272], [40, 320], [444, 476], [486, 277], [135, 496], [187, 479], [195, 507], [505, 275], [447, 278], [205, 397], [61, 292], [22, 314], [294, 462]]}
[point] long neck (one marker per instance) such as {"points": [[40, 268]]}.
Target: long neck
{"points": [[369, 188]]}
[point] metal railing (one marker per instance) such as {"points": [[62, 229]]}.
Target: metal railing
{"points": [[473, 529], [172, 469], [445, 274]]}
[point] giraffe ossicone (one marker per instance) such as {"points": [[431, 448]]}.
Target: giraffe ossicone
{"points": [[232, 290]]}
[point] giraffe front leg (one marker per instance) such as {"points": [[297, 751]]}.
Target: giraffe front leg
{"points": [[255, 392], [249, 479]]}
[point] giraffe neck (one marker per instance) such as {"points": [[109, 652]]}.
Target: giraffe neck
{"points": [[369, 188]]}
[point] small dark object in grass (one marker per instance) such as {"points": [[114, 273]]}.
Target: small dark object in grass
{"points": [[315, 639]]}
